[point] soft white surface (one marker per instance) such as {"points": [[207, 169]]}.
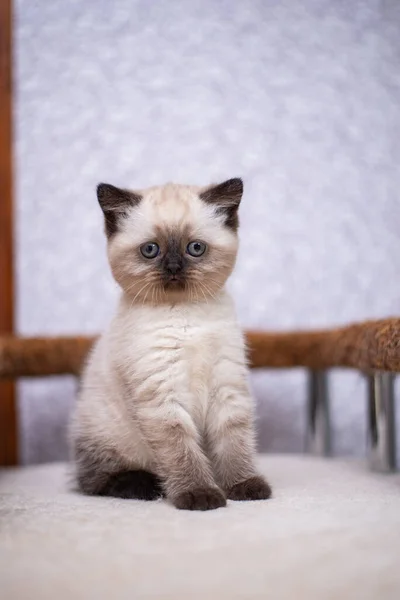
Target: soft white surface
{"points": [[332, 530]]}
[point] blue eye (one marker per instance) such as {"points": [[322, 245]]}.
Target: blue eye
{"points": [[196, 248], [150, 249]]}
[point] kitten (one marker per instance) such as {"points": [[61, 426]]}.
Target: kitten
{"points": [[165, 407]]}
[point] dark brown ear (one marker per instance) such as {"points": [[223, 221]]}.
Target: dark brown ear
{"points": [[226, 197], [115, 204]]}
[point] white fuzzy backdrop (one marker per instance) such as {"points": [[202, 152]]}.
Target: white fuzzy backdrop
{"points": [[301, 98]]}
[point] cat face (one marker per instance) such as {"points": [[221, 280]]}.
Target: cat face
{"points": [[172, 242]]}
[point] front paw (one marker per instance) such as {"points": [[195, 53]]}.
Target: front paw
{"points": [[254, 488], [200, 499]]}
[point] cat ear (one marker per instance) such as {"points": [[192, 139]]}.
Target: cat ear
{"points": [[115, 203], [226, 198]]}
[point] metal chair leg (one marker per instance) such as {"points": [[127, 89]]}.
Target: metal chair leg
{"points": [[381, 423], [318, 437]]}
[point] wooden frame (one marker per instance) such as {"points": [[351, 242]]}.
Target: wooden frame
{"points": [[372, 347], [369, 347], [8, 419]]}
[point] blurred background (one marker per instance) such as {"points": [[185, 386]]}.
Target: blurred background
{"points": [[300, 98]]}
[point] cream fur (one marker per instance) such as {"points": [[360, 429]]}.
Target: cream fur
{"points": [[165, 389]]}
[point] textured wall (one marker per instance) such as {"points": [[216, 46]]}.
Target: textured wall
{"points": [[300, 98]]}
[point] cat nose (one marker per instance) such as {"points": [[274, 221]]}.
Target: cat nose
{"points": [[174, 267]]}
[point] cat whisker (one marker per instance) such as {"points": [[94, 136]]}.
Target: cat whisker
{"points": [[202, 288], [211, 280], [210, 291], [144, 299], [135, 284], [141, 290]]}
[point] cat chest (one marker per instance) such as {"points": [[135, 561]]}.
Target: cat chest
{"points": [[199, 354], [187, 356], [194, 352]]}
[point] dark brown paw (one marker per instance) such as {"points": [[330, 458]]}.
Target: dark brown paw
{"points": [[141, 485], [200, 499], [254, 488]]}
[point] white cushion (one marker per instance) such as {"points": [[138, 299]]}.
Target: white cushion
{"points": [[332, 530]]}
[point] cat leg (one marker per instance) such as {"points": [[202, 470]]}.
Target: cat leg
{"points": [[231, 446], [185, 470], [100, 471]]}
